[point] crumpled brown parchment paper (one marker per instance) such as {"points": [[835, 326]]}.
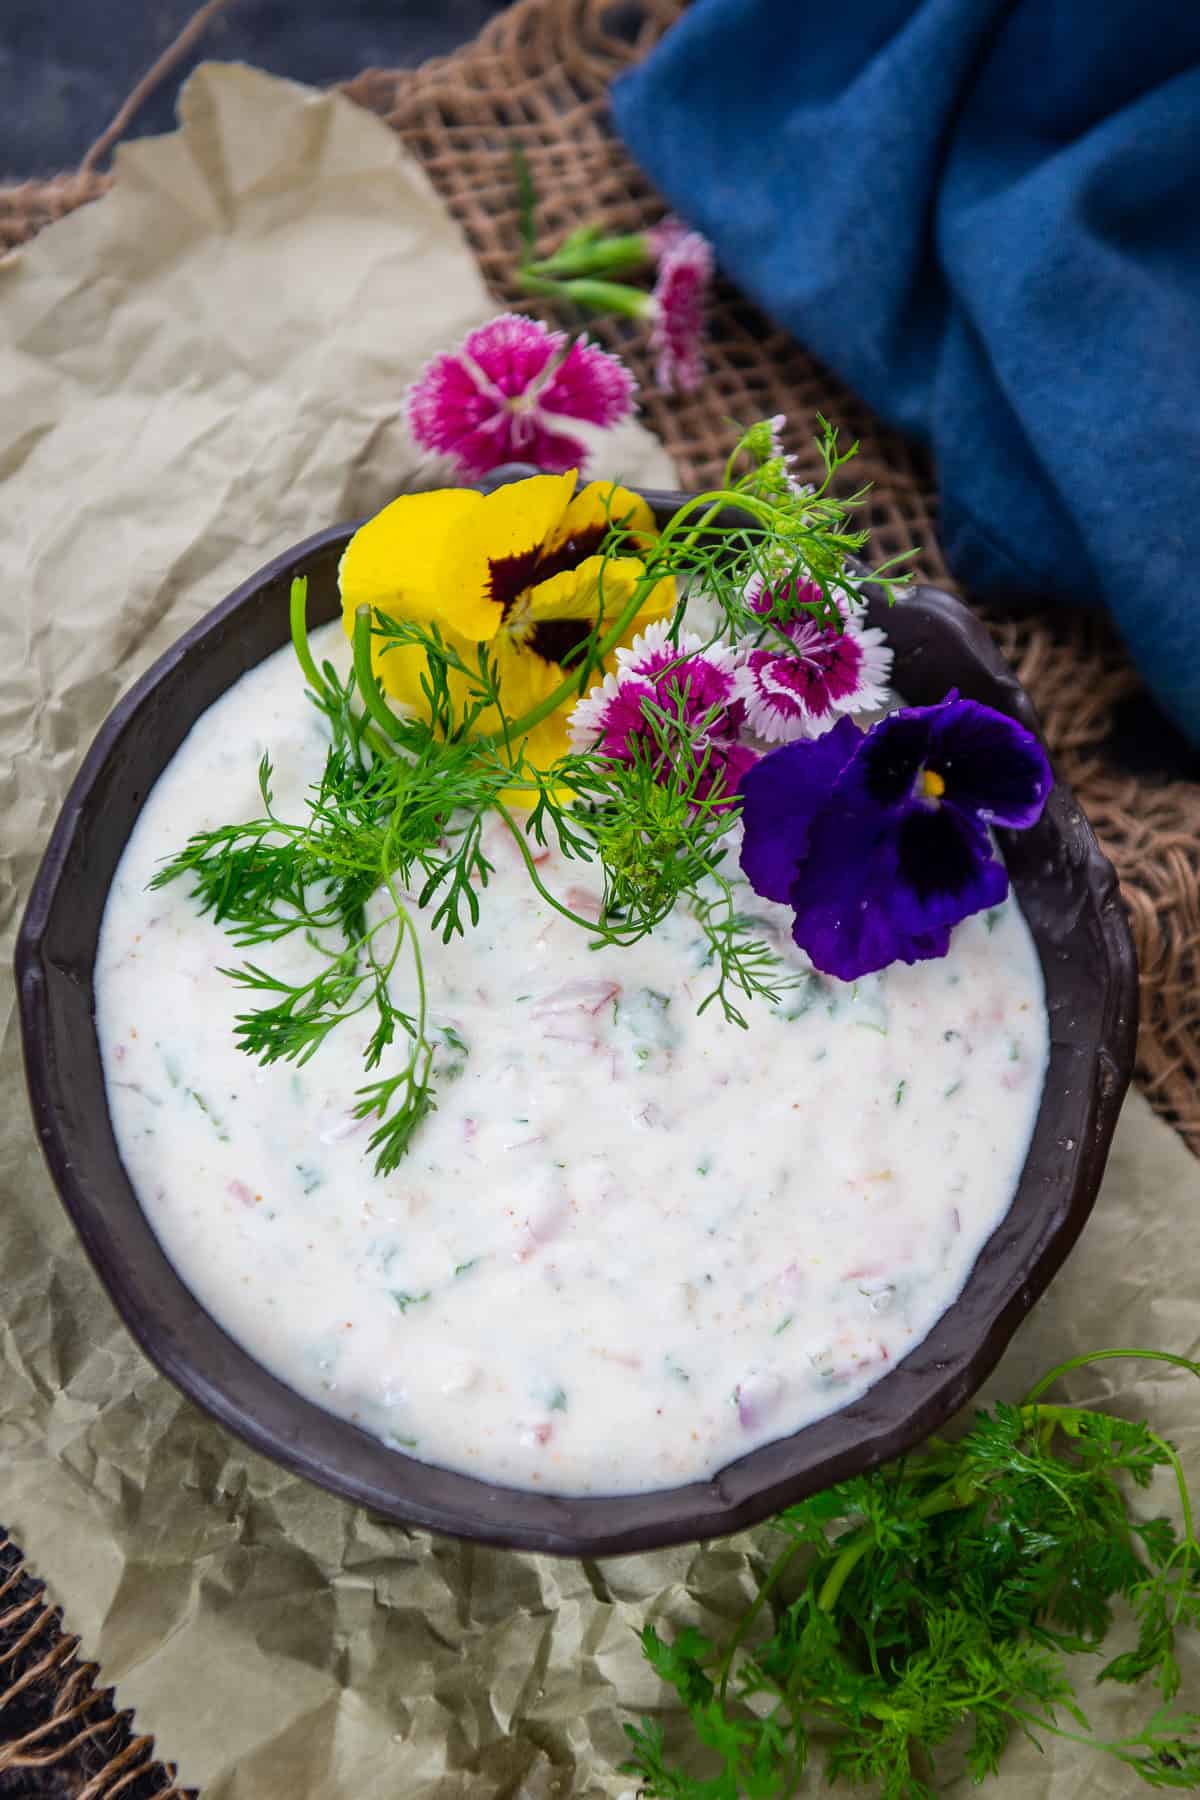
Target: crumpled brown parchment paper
{"points": [[197, 371]]}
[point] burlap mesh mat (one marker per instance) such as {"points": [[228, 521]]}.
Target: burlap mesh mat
{"points": [[538, 77]]}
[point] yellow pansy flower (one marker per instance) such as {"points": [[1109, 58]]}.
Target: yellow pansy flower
{"points": [[517, 570]]}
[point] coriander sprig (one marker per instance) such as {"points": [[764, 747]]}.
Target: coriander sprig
{"points": [[938, 1597]]}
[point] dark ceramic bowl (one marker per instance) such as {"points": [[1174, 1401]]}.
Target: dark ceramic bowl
{"points": [[1069, 896]]}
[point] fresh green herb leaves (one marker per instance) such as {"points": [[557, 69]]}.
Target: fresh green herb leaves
{"points": [[934, 1601], [389, 850]]}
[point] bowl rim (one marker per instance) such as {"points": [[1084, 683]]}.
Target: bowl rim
{"points": [[855, 1437]]}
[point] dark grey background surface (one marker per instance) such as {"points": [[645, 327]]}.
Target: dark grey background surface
{"points": [[66, 65]]}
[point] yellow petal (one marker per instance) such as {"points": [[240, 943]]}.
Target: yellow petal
{"points": [[549, 740], [490, 561], [594, 509], [599, 587], [659, 603], [402, 669], [525, 678], [392, 561]]}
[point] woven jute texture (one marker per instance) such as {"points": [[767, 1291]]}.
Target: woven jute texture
{"points": [[60, 1736], [538, 77]]}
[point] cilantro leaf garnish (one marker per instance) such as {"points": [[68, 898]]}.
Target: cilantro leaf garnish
{"points": [[918, 1616]]}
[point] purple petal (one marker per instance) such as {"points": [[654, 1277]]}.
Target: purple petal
{"points": [[945, 858], [991, 765], [590, 384], [513, 352], [877, 889], [781, 796], [892, 756]]}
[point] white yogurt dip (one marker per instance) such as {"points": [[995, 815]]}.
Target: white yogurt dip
{"points": [[631, 1244]]}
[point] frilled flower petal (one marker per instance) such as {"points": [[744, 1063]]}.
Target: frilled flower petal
{"points": [[512, 353], [781, 797], [688, 682], [589, 384], [681, 306], [534, 441], [867, 895], [792, 693], [611, 717], [491, 560], [665, 235], [681, 667], [507, 437], [506, 392], [448, 407], [990, 764]]}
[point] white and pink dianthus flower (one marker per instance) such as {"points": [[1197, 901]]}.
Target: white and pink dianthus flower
{"points": [[680, 310], [692, 684], [800, 690]]}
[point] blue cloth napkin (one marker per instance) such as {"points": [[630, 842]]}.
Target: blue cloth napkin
{"points": [[985, 216]]}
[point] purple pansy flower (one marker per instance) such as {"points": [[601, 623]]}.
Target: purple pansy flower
{"points": [[880, 840], [801, 691], [504, 394], [679, 310], [687, 681]]}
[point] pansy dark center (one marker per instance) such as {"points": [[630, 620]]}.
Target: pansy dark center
{"points": [[568, 555], [554, 640], [893, 760], [511, 576]]}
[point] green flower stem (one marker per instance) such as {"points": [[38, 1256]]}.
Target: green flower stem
{"points": [[950, 1497], [406, 927], [327, 694], [774, 1576], [1095, 1356], [518, 838], [586, 253], [364, 675], [298, 617], [1030, 1404], [589, 291]]}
